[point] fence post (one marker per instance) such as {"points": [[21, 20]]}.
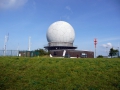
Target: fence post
{"points": [[11, 52]]}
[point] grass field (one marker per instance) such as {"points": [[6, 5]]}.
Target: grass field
{"points": [[22, 73]]}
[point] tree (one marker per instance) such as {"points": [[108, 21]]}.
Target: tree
{"points": [[113, 52], [42, 52]]}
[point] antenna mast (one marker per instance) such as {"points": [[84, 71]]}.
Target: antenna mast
{"points": [[5, 41], [29, 44], [95, 43]]}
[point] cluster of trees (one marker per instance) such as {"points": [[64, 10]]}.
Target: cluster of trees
{"points": [[112, 52]]}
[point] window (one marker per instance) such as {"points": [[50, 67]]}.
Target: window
{"points": [[84, 55]]}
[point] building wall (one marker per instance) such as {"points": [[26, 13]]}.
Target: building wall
{"points": [[56, 53], [72, 53], [28, 53]]}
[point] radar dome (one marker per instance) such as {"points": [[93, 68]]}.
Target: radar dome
{"points": [[60, 31]]}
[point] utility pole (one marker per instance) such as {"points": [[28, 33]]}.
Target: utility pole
{"points": [[95, 43]]}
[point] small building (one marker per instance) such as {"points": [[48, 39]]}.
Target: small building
{"points": [[28, 53]]}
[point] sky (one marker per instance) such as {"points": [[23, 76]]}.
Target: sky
{"points": [[21, 19]]}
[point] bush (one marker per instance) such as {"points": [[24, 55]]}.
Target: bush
{"points": [[100, 56]]}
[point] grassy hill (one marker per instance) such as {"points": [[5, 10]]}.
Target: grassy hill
{"points": [[22, 73]]}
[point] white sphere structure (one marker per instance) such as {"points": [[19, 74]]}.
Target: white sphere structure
{"points": [[60, 36], [60, 33]]}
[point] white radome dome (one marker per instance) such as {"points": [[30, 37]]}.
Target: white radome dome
{"points": [[60, 31]]}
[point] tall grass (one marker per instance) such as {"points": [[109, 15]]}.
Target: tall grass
{"points": [[18, 73]]}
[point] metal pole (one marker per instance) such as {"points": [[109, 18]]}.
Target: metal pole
{"points": [[6, 39], [29, 44], [5, 50], [5, 46], [106, 50], [18, 50], [95, 52], [11, 52], [118, 51]]}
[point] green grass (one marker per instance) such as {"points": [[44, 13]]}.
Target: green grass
{"points": [[22, 73]]}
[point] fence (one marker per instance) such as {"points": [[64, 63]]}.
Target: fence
{"points": [[23, 53], [9, 53]]}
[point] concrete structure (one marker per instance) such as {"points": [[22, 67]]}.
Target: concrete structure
{"points": [[60, 37]]}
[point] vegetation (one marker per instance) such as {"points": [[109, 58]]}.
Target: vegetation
{"points": [[113, 52], [23, 73], [99, 56], [42, 52]]}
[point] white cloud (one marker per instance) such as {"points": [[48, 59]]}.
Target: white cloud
{"points": [[107, 45], [7, 4], [104, 45], [68, 8]]}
